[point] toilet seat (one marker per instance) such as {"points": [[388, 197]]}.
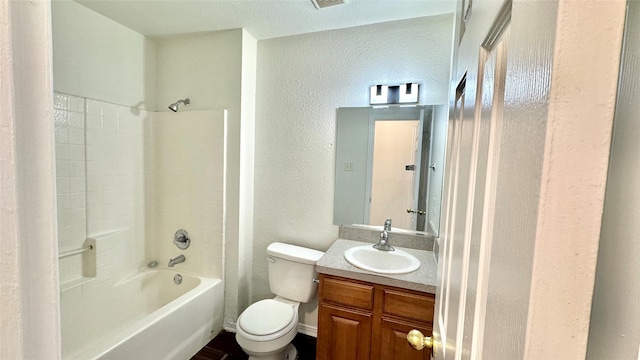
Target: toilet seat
{"points": [[267, 320]]}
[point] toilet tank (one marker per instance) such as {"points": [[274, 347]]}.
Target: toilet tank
{"points": [[292, 271]]}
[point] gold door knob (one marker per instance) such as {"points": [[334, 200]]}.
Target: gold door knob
{"points": [[418, 340]]}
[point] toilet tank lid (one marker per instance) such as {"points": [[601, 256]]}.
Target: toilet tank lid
{"points": [[294, 253]]}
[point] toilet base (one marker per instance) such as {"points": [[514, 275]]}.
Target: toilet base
{"points": [[289, 353]]}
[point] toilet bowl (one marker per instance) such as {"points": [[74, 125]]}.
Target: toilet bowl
{"points": [[266, 328]]}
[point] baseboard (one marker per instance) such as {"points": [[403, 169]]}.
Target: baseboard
{"points": [[308, 330]]}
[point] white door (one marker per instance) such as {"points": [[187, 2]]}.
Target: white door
{"points": [[473, 151]]}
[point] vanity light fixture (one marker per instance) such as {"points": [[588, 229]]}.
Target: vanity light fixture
{"points": [[379, 95], [396, 94]]}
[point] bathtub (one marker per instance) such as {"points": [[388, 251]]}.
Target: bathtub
{"points": [[143, 316]]}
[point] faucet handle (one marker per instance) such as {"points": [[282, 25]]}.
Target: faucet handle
{"points": [[182, 239], [383, 237], [387, 225]]}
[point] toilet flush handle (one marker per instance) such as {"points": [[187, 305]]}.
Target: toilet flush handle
{"points": [[270, 259]]}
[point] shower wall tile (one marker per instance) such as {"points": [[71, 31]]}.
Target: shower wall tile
{"points": [[115, 179], [100, 178], [188, 168], [120, 171], [70, 181]]}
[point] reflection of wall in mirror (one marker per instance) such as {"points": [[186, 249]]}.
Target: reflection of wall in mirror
{"points": [[437, 157], [392, 186]]}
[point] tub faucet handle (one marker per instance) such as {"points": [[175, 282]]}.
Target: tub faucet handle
{"points": [[182, 239]]}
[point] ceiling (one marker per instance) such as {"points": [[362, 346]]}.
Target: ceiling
{"points": [[263, 19]]}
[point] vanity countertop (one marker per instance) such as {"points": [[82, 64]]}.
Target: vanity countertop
{"points": [[423, 279]]}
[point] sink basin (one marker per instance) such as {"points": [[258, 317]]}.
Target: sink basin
{"points": [[383, 262]]}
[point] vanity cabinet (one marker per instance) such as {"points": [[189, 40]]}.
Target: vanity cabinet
{"points": [[361, 321]]}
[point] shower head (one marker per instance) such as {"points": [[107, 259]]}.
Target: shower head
{"points": [[174, 106]]}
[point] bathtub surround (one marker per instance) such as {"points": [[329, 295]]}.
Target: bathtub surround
{"points": [[100, 180], [188, 191], [147, 174], [69, 130]]}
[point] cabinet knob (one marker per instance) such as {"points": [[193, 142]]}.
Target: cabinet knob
{"points": [[418, 341]]}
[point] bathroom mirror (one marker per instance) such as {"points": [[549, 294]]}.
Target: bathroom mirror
{"points": [[389, 164]]}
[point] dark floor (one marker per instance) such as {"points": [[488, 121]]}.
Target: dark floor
{"points": [[225, 347]]}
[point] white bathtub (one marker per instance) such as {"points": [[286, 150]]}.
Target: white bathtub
{"points": [[143, 316]]}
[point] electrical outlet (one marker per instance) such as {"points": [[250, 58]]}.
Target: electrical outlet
{"points": [[348, 166]]}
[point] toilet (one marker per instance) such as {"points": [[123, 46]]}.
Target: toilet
{"points": [[266, 328]]}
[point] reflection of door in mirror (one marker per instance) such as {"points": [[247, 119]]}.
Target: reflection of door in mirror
{"points": [[395, 172], [355, 199]]}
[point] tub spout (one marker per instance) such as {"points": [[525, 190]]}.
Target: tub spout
{"points": [[176, 260]]}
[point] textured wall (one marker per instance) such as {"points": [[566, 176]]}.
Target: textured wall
{"points": [[29, 305], [301, 81]]}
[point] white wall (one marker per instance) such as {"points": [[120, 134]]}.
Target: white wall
{"points": [[204, 67], [29, 279], [97, 58], [301, 81], [247, 162], [615, 332], [437, 157]]}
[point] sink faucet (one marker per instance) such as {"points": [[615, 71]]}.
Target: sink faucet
{"points": [[176, 260], [387, 225], [383, 244]]}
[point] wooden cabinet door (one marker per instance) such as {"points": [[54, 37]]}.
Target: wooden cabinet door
{"points": [[393, 340], [343, 334]]}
